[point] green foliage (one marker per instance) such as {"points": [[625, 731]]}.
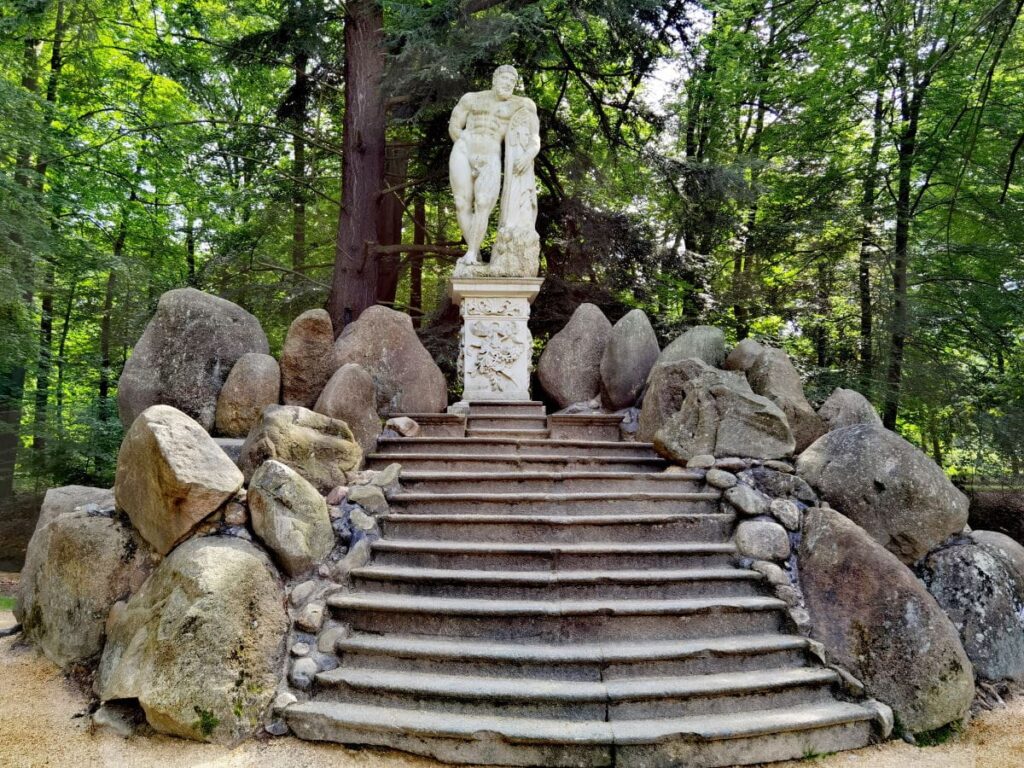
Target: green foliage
{"points": [[207, 722], [6, 603]]}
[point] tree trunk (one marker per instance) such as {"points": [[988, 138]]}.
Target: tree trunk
{"points": [[392, 208], [419, 237], [299, 164], [354, 283], [867, 208], [190, 252], [910, 110], [44, 361], [61, 347]]}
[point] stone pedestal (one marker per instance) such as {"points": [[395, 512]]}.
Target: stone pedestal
{"points": [[497, 347]]}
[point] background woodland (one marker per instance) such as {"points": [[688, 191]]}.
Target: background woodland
{"points": [[840, 179]]}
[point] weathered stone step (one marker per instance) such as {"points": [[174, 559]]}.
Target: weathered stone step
{"points": [[705, 741], [579, 700], [514, 446], [577, 660], [506, 407], [558, 585], [439, 424], [551, 482], [508, 421], [433, 461], [559, 619], [507, 433], [629, 502], [482, 555], [525, 528], [584, 426]]}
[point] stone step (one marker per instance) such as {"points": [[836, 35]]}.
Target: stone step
{"points": [[514, 446], [703, 741], [439, 424], [525, 556], [622, 699], [577, 660], [508, 421], [567, 529], [551, 482], [506, 408], [558, 585], [582, 503], [604, 619], [433, 461], [585, 426], [514, 433]]}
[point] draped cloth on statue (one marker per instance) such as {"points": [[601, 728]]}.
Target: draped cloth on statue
{"points": [[517, 247]]}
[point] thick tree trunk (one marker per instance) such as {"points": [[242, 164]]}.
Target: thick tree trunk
{"points": [[867, 207], [44, 362], [419, 238], [392, 208], [354, 284], [299, 165]]}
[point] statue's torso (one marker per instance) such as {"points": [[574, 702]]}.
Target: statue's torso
{"points": [[486, 122]]}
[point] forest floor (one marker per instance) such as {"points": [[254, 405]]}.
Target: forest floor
{"points": [[44, 722]]}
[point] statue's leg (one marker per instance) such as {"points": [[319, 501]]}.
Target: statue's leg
{"points": [[485, 196], [461, 175]]}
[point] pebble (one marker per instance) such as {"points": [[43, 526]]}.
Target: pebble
{"points": [[787, 513], [337, 495], [779, 466], [303, 672], [362, 521], [747, 500], [403, 425], [300, 649], [702, 461], [284, 699], [327, 640], [311, 618], [302, 592], [276, 727], [732, 464], [235, 514], [772, 573], [719, 478], [388, 477], [369, 497]]}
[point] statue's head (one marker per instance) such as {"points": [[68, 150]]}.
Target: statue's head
{"points": [[504, 80]]}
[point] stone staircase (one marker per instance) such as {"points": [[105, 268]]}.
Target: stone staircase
{"points": [[543, 594]]}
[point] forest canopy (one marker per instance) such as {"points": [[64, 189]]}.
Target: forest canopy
{"points": [[843, 180]]}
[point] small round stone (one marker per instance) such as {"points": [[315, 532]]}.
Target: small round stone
{"points": [[719, 478], [762, 540], [703, 461], [303, 672], [300, 649], [787, 513]]}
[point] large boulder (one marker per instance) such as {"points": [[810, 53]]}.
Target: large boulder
{"points": [[887, 486], [201, 644], [983, 595], [743, 356], [570, 366], [171, 475], [722, 417], [703, 342], [290, 516], [628, 357], [78, 564], [253, 384], [185, 353], [321, 449], [307, 358], [774, 376], [1002, 547], [68, 498], [663, 397], [879, 622], [846, 407], [406, 377], [351, 397]]}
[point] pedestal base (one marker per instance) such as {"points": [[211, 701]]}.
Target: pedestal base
{"points": [[497, 347]]}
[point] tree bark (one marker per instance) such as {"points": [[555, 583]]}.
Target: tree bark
{"points": [[354, 283], [44, 362], [867, 208], [299, 164], [392, 209], [419, 237]]}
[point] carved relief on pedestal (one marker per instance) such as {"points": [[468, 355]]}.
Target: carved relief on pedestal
{"points": [[495, 349]]}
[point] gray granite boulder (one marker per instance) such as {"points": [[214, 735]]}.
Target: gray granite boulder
{"points": [[185, 354], [762, 540], [78, 564], [253, 384], [290, 517], [774, 376], [307, 358], [721, 416], [703, 342], [880, 623], [743, 356], [170, 476], [570, 366], [627, 359], [663, 397], [404, 374], [886, 486], [983, 595], [201, 644], [1002, 546], [846, 407], [350, 396], [321, 449]]}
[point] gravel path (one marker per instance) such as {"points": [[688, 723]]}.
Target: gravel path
{"points": [[42, 724]]}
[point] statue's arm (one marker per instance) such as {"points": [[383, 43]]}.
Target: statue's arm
{"points": [[458, 118]]}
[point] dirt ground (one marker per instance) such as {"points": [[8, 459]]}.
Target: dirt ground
{"points": [[43, 722]]}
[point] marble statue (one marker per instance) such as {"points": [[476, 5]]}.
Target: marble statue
{"points": [[480, 123]]}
